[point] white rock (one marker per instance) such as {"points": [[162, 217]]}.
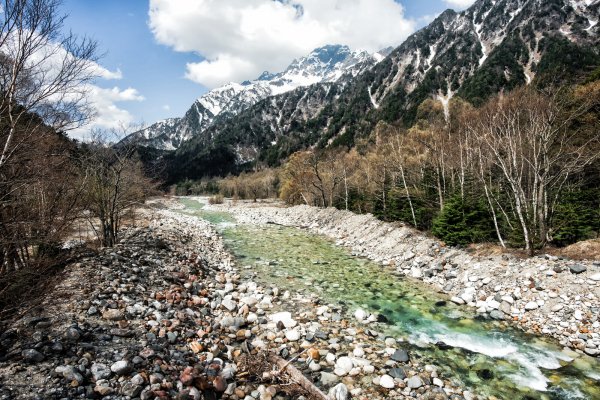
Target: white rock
{"points": [[285, 318], [251, 301], [330, 358], [438, 382], [358, 352], [338, 392], [578, 315], [368, 369], [345, 364], [557, 307], [360, 314], [595, 277], [322, 310], [493, 304], [387, 382], [293, 335], [229, 304], [468, 295], [532, 305]]}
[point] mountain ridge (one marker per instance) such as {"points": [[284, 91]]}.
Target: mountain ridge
{"points": [[324, 64], [493, 46]]}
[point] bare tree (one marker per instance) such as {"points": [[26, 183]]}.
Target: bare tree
{"points": [[529, 138], [42, 72], [115, 185], [43, 76]]}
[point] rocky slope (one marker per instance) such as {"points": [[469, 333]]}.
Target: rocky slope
{"points": [[494, 45], [165, 314], [326, 64], [544, 295]]}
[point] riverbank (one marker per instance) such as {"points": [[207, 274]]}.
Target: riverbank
{"points": [[166, 314], [541, 295]]}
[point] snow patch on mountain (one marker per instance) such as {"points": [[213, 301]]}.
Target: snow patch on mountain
{"points": [[325, 64]]}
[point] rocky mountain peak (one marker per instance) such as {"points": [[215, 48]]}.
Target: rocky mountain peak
{"points": [[324, 64]]}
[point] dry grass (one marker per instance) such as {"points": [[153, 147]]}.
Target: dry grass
{"points": [[216, 199], [585, 250]]}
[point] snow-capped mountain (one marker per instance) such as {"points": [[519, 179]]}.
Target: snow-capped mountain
{"points": [[325, 64], [493, 46]]}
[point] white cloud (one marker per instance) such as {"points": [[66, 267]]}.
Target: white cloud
{"points": [[459, 4], [238, 39], [108, 74], [109, 114]]}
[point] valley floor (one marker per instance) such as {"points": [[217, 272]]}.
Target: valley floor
{"points": [[542, 295], [165, 314]]}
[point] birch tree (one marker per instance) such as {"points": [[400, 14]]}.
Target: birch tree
{"points": [[529, 138]]}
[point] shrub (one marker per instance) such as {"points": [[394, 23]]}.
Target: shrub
{"points": [[462, 222], [216, 199]]}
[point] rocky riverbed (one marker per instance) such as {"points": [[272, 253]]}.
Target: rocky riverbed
{"points": [[165, 314], [542, 295]]}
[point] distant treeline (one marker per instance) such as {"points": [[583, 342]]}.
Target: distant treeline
{"points": [[522, 170]]}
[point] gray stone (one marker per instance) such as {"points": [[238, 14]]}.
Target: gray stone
{"points": [[32, 356], [400, 355], [414, 382], [69, 373], [577, 268], [498, 315], [72, 334], [100, 371], [328, 379], [131, 390], [121, 367], [397, 373]]}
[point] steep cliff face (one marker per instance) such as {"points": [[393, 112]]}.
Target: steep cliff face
{"points": [[324, 65], [494, 45]]}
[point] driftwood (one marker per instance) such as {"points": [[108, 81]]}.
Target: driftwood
{"points": [[311, 390]]}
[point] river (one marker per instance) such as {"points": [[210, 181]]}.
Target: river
{"points": [[490, 357]]}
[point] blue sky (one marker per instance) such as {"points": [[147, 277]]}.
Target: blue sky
{"points": [[167, 58]]}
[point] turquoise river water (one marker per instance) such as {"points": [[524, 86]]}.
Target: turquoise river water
{"points": [[489, 357]]}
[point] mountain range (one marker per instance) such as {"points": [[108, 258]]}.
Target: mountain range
{"points": [[334, 95], [326, 64]]}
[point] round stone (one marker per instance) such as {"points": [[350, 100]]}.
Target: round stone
{"points": [[387, 382]]}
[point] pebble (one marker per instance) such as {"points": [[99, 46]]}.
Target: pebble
{"points": [[414, 382], [32, 356], [577, 268], [387, 382], [344, 364], [338, 392], [121, 367], [532, 305], [293, 335], [100, 371]]}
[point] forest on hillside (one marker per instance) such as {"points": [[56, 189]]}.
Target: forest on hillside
{"points": [[521, 170]]}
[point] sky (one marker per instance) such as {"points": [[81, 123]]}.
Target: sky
{"points": [[160, 55]]}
